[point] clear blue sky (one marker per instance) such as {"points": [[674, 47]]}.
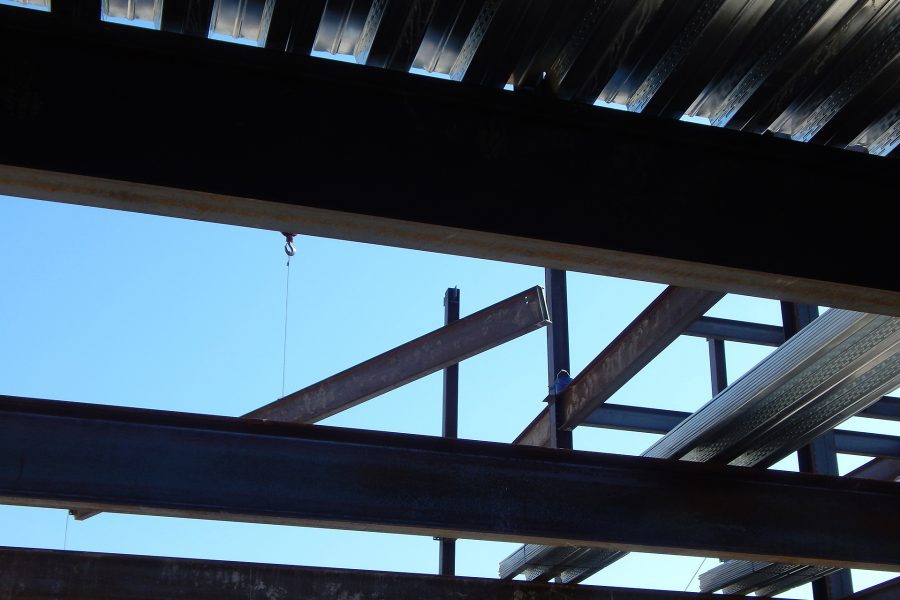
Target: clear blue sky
{"points": [[120, 308]]}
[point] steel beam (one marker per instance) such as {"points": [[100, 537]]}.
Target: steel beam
{"points": [[449, 345], [635, 418], [59, 574], [657, 420], [729, 330], [867, 444], [889, 590], [237, 469], [887, 408], [183, 163], [650, 333], [882, 469]]}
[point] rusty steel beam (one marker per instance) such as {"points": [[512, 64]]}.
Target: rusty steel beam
{"points": [[29, 573], [660, 324], [321, 173], [211, 467], [449, 345]]}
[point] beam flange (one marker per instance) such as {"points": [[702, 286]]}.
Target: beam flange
{"points": [[449, 345], [60, 574], [236, 469]]}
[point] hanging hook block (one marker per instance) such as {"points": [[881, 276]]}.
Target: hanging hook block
{"points": [[289, 243]]}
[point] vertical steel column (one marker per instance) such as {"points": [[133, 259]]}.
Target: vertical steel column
{"points": [[717, 374], [558, 369], [817, 457], [450, 427]]}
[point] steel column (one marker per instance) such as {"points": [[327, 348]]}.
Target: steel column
{"points": [[450, 423], [558, 367]]}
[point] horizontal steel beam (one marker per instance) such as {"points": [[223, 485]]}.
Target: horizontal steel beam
{"points": [[328, 168], [30, 573], [449, 345], [175, 464], [736, 331], [635, 418], [887, 408], [867, 444], [889, 590], [657, 420], [882, 469], [650, 333]]}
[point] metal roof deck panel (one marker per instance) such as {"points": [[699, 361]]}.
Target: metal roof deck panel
{"points": [[873, 40], [141, 10], [446, 34], [342, 25], [242, 19], [774, 36], [724, 36]]}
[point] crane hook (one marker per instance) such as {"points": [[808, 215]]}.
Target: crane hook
{"points": [[289, 243]]}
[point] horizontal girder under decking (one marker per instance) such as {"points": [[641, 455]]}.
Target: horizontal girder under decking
{"points": [[354, 152]]}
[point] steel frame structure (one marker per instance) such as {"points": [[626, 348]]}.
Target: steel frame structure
{"points": [[405, 483]]}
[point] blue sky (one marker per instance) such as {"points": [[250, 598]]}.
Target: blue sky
{"points": [[121, 308]]}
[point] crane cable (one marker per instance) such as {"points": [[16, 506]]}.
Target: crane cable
{"points": [[290, 251]]}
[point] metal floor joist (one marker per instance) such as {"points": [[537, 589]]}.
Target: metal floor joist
{"points": [[833, 369]]}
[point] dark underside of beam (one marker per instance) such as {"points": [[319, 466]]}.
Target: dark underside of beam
{"points": [[56, 574], [237, 469], [189, 115]]}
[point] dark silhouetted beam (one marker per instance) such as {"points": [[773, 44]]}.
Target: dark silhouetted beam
{"points": [[175, 464], [867, 444], [887, 408], [736, 331], [882, 469], [184, 163], [657, 420], [889, 590], [31, 573], [453, 343], [635, 418], [650, 333]]}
